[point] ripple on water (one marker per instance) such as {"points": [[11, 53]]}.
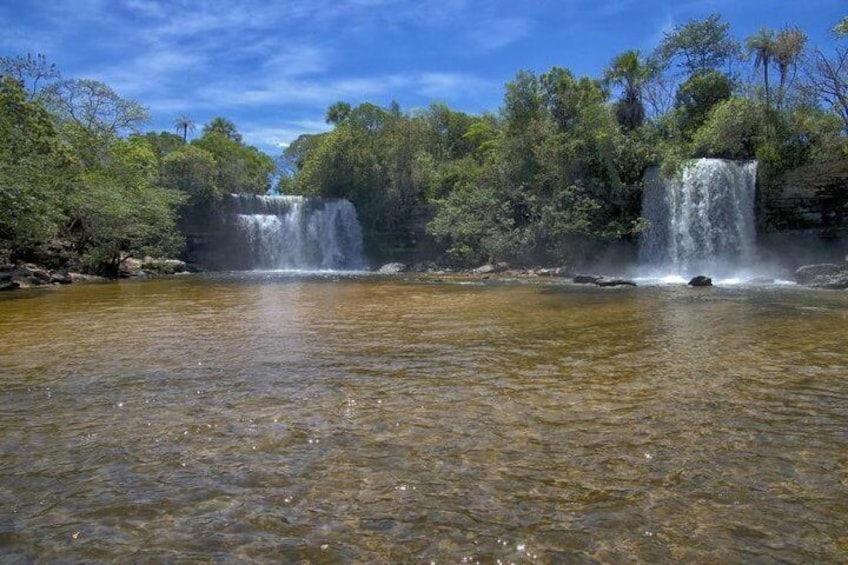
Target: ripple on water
{"points": [[371, 420]]}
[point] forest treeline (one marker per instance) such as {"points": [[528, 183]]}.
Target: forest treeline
{"points": [[553, 176]]}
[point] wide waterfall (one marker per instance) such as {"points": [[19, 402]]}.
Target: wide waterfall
{"points": [[701, 221], [294, 233]]}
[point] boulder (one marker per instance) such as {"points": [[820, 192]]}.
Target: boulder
{"points": [[491, 268], [808, 273], [392, 268], [837, 281], [163, 266], [130, 267], [61, 277], [701, 280], [8, 285]]}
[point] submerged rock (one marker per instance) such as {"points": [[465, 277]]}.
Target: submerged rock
{"points": [[615, 282], [809, 273], [701, 280]]}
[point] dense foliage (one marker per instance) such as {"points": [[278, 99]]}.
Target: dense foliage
{"points": [[554, 176]]}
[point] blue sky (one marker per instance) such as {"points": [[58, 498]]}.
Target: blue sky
{"points": [[273, 67]]}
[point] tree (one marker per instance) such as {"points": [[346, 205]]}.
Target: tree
{"points": [[698, 46], [239, 168], [337, 113], [827, 79], [629, 72], [762, 45], [35, 172], [118, 210], [184, 124], [94, 107], [192, 171], [841, 29], [697, 96], [29, 71], [788, 46], [224, 127], [731, 131]]}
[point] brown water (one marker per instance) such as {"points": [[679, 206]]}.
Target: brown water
{"points": [[373, 420]]}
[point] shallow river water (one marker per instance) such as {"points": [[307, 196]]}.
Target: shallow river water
{"points": [[280, 419]]}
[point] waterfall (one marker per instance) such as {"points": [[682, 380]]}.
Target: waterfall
{"points": [[294, 233], [701, 221]]}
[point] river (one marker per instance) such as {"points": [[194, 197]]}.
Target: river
{"points": [[363, 419]]}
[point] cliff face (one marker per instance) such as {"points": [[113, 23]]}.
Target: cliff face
{"points": [[813, 197]]}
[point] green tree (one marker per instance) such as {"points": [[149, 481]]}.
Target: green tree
{"points": [[35, 173], [222, 126], [118, 210], [629, 72], [698, 45], [239, 167], [192, 171], [696, 97], [337, 113], [732, 130]]}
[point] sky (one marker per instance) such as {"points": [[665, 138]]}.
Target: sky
{"points": [[274, 66]]}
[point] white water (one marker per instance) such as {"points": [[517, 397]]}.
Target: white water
{"points": [[298, 233], [701, 222]]}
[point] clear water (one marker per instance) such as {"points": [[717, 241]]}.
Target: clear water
{"points": [[275, 418]]}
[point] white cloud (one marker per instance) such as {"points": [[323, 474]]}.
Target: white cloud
{"points": [[494, 34]]}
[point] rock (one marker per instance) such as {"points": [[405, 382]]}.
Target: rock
{"points": [[163, 266], [8, 285], [490, 268], [587, 279], [392, 268], [837, 281], [808, 273], [615, 282], [61, 277], [701, 280], [35, 274], [130, 267]]}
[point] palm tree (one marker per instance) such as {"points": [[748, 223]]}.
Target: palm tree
{"points": [[184, 124], [761, 44], [629, 71], [788, 46], [223, 126]]}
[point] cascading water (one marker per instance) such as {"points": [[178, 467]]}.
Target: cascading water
{"points": [[295, 233], [701, 221]]}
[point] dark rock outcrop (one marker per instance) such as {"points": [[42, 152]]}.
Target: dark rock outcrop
{"points": [[701, 280], [587, 279]]}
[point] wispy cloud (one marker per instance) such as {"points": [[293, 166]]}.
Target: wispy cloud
{"points": [[497, 33]]}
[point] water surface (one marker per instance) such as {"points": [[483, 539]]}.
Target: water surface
{"points": [[272, 418]]}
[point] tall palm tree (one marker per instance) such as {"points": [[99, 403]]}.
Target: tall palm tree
{"points": [[788, 46], [761, 44], [184, 124], [629, 71]]}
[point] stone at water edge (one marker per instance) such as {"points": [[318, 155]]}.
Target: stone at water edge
{"points": [[701, 280], [587, 279], [392, 268], [837, 281], [808, 273], [491, 268]]}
